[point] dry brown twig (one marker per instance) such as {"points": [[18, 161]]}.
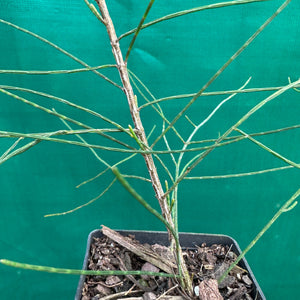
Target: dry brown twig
{"points": [[140, 133]]}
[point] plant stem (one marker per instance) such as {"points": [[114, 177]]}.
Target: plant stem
{"points": [[128, 90], [140, 133], [78, 272]]}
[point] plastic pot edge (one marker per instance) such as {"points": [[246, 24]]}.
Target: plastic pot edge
{"points": [[187, 240]]}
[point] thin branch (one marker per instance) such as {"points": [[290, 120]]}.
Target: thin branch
{"points": [[44, 109], [115, 165], [94, 10], [59, 99], [79, 272], [13, 146], [287, 206], [18, 151], [239, 174], [197, 127], [63, 117], [141, 200], [295, 88], [91, 149], [83, 205], [59, 49], [217, 93], [251, 134], [276, 154], [158, 108], [190, 121], [93, 178], [220, 71], [164, 166], [54, 72], [107, 169], [190, 11], [231, 129], [138, 29], [47, 137], [136, 177]]}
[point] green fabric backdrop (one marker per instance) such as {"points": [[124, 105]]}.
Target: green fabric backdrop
{"points": [[173, 57]]}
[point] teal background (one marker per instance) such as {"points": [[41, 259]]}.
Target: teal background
{"points": [[173, 57]]}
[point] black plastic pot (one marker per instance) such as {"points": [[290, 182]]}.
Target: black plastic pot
{"points": [[187, 240]]}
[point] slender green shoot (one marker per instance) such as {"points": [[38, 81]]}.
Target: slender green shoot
{"points": [[91, 149], [230, 130], [49, 111], [189, 11], [250, 134], [105, 170], [59, 49], [83, 205], [48, 137], [286, 160], [55, 72], [69, 103], [115, 165], [158, 109], [8, 154], [221, 70], [196, 129], [134, 136], [63, 117], [295, 88], [289, 205], [80, 272], [146, 205], [216, 93], [13, 146], [137, 177], [237, 175], [140, 199], [94, 11], [138, 29]]}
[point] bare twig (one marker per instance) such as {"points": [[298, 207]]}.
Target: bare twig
{"points": [[140, 133], [127, 88]]}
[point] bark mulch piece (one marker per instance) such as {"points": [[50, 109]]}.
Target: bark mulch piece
{"points": [[206, 264]]}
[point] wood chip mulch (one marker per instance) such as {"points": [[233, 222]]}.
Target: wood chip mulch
{"points": [[205, 264]]}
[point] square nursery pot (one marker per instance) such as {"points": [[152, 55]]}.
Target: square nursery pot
{"points": [[187, 241]]}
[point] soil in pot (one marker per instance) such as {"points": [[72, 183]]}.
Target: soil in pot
{"points": [[205, 263]]}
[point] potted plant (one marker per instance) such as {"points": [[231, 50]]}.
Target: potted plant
{"points": [[134, 142]]}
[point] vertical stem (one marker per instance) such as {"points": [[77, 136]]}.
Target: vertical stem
{"points": [[139, 129], [140, 133]]}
